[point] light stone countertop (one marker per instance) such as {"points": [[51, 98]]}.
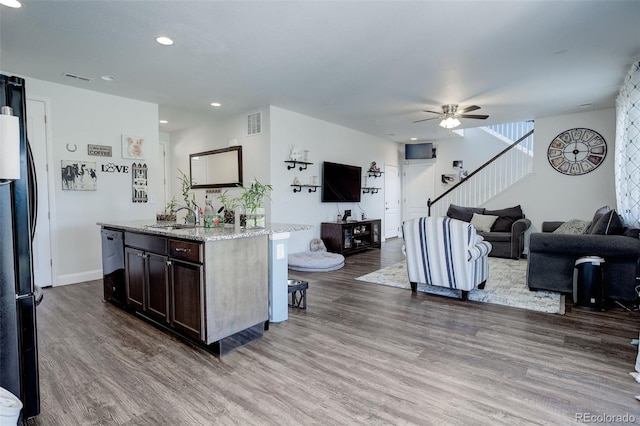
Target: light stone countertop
{"points": [[200, 233]]}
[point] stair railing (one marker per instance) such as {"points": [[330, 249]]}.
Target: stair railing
{"points": [[487, 190]]}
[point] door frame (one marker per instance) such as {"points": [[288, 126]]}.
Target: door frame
{"points": [[399, 199], [50, 183]]}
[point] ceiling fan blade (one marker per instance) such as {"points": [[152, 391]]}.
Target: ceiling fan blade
{"points": [[476, 116], [469, 109], [426, 119], [433, 112]]}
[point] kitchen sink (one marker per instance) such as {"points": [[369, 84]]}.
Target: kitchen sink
{"points": [[170, 226]]}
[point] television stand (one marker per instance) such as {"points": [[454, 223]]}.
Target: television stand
{"points": [[353, 236]]}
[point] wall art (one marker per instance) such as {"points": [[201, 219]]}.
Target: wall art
{"points": [[114, 168], [99, 150], [133, 147], [139, 180], [79, 175], [448, 179]]}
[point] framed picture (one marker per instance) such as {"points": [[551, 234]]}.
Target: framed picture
{"points": [[464, 174], [79, 175], [457, 164], [133, 147]]}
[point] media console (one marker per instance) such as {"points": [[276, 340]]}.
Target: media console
{"points": [[348, 237]]}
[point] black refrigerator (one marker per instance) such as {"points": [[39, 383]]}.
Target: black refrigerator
{"points": [[18, 294]]}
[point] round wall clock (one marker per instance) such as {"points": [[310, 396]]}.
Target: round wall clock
{"points": [[577, 151]]}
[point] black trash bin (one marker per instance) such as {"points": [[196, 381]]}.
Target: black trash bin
{"points": [[588, 286]]}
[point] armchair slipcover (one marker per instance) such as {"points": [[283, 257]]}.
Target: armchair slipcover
{"points": [[445, 252]]}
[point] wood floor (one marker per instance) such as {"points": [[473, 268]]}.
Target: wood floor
{"points": [[360, 354]]}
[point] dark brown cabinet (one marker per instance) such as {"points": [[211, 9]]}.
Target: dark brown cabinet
{"points": [[134, 277], [351, 237], [186, 302], [187, 287], [146, 275]]}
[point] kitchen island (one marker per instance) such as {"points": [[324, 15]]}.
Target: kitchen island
{"points": [[208, 285]]}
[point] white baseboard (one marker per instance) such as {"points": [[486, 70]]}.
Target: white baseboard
{"points": [[78, 277]]}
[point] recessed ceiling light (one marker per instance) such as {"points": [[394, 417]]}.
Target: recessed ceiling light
{"points": [[164, 122], [587, 105], [11, 3], [107, 78], [560, 52], [165, 41], [414, 139], [215, 104]]}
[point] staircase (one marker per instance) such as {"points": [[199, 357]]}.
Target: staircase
{"points": [[500, 172]]}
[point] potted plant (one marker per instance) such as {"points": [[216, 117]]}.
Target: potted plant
{"points": [[251, 201], [188, 196], [168, 215], [229, 204]]}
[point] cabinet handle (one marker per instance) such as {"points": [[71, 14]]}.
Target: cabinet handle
{"points": [[140, 255], [183, 250], [169, 263]]}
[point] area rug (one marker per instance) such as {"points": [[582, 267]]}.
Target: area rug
{"points": [[507, 285]]}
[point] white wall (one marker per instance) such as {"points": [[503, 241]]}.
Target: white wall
{"points": [[216, 134], [473, 146], [325, 142], [548, 195], [80, 117]]}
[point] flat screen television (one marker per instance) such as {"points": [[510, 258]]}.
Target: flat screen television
{"points": [[418, 151], [341, 183]]}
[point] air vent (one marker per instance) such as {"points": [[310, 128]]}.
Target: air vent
{"points": [[254, 123], [77, 77]]}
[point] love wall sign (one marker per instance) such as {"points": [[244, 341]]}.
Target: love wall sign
{"points": [[114, 168]]}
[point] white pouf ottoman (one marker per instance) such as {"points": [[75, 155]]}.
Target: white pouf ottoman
{"points": [[315, 261]]}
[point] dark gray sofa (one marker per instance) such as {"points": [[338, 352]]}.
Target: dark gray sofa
{"points": [[507, 233], [552, 259]]}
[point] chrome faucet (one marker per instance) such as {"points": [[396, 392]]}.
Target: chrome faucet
{"points": [[194, 212]]}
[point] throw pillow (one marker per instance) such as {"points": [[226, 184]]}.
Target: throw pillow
{"points": [[573, 226], [463, 213], [506, 217], [483, 222], [598, 214], [609, 224]]}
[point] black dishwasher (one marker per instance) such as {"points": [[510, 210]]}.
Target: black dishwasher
{"points": [[113, 266]]}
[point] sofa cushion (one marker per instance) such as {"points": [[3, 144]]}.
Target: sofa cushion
{"points": [[597, 215], [463, 213], [483, 222], [573, 226], [609, 224], [506, 217], [497, 237], [632, 232]]}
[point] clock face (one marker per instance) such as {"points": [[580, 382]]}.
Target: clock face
{"points": [[577, 151]]}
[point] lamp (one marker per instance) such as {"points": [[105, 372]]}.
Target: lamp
{"points": [[9, 145], [449, 122]]}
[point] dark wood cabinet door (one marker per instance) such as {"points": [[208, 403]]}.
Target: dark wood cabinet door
{"points": [[135, 277], [186, 301], [157, 287]]}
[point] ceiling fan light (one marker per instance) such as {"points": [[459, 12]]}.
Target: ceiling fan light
{"points": [[450, 123]]}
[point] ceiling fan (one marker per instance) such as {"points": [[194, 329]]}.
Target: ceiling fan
{"points": [[450, 115]]}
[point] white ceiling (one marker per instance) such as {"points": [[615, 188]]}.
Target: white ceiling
{"points": [[370, 66]]}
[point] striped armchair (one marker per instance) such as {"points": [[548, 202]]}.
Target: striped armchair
{"points": [[445, 252]]}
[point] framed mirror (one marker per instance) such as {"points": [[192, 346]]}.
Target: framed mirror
{"points": [[220, 168]]}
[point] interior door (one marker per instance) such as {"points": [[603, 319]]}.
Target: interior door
{"points": [[41, 246], [418, 186], [391, 201]]}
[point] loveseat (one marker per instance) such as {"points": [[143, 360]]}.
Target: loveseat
{"points": [[503, 228], [554, 251]]}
